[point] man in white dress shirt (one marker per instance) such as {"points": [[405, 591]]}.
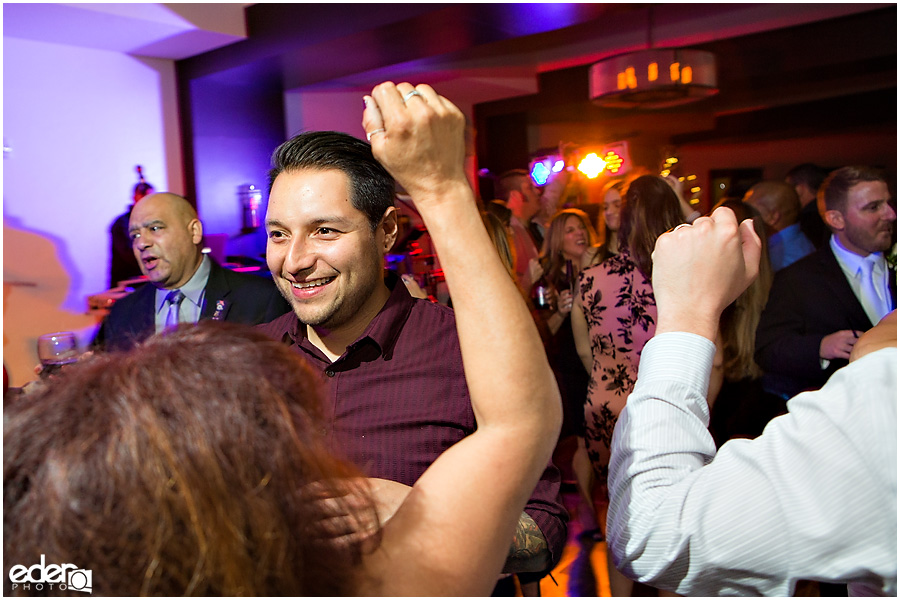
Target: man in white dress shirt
{"points": [[814, 497]]}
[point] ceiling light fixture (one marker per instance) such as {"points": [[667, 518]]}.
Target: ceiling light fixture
{"points": [[653, 78]]}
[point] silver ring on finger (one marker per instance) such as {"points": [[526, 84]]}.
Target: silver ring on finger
{"points": [[369, 134], [412, 93], [677, 227]]}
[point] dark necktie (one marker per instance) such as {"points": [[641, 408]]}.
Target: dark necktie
{"points": [[173, 299]]}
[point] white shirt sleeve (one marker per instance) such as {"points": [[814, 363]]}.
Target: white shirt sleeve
{"points": [[814, 497]]}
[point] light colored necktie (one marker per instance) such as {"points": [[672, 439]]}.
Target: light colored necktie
{"points": [[872, 301], [173, 299]]}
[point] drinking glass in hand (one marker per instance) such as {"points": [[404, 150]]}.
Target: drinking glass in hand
{"points": [[55, 350]]}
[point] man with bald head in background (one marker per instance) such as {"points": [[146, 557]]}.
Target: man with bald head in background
{"points": [[779, 206], [186, 284]]}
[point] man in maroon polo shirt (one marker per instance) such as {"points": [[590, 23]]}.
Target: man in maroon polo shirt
{"points": [[397, 395]]}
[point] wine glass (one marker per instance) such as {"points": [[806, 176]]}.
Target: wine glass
{"points": [[55, 350]]}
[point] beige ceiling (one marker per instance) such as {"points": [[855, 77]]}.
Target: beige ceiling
{"points": [[172, 31]]}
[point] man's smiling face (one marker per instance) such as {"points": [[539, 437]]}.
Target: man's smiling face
{"points": [[323, 253]]}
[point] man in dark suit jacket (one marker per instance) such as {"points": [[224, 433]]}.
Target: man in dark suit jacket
{"points": [[806, 179], [166, 236], [817, 307]]}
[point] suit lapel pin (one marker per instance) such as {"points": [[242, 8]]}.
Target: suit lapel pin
{"points": [[219, 315]]}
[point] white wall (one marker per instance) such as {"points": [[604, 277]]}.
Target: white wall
{"points": [[78, 121]]}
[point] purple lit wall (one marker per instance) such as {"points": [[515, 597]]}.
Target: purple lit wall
{"points": [[77, 122], [331, 111], [236, 127]]}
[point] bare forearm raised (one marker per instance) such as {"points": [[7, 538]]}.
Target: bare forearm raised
{"points": [[451, 534]]}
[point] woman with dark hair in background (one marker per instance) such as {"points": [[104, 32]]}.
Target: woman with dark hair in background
{"points": [[614, 316]]}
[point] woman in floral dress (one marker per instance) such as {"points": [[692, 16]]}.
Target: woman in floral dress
{"points": [[615, 315]]}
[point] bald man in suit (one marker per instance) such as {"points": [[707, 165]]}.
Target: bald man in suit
{"points": [[185, 284]]}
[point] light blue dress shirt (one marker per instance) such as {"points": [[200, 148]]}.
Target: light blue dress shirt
{"points": [[192, 304], [788, 246], [852, 266]]}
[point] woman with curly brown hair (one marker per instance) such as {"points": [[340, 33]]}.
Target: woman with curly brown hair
{"points": [[179, 468]]}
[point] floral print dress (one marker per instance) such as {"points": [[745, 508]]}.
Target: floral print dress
{"points": [[620, 310]]}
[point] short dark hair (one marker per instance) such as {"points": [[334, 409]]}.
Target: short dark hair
{"points": [[809, 174], [372, 187], [834, 190], [510, 181]]}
